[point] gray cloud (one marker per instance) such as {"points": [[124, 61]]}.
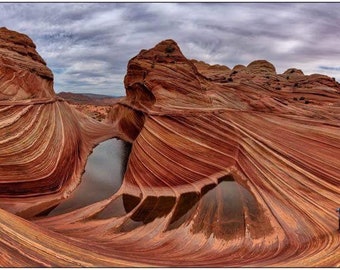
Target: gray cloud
{"points": [[330, 68], [88, 45]]}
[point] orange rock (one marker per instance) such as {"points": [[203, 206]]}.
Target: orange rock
{"points": [[239, 172], [199, 131], [44, 143], [261, 66]]}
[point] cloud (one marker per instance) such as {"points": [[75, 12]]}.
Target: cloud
{"points": [[330, 68], [88, 45]]}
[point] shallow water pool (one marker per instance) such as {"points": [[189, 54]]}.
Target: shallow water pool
{"points": [[102, 178]]}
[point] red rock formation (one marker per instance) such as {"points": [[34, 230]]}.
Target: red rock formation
{"points": [[44, 142], [227, 168], [23, 72]]}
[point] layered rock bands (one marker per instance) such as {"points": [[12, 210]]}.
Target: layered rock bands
{"points": [[228, 167]]}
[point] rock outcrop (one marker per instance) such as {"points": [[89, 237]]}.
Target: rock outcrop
{"points": [[24, 73], [228, 168], [44, 143]]}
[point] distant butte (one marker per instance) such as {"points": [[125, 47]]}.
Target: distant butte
{"points": [[229, 166]]}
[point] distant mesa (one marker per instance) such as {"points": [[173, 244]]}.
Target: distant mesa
{"points": [[87, 98]]}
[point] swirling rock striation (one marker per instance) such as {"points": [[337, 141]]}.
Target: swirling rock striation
{"points": [[44, 143], [229, 167]]}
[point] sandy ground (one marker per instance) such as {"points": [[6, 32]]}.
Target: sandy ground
{"points": [[97, 112]]}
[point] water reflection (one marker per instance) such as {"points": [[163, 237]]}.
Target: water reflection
{"points": [[223, 210], [219, 209], [223, 203], [103, 176]]}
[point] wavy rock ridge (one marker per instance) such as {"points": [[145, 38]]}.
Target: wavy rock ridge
{"points": [[44, 143], [229, 167]]}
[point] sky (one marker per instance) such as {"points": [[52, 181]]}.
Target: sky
{"points": [[88, 45]]}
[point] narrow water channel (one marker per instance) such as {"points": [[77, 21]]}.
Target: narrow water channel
{"points": [[102, 178]]}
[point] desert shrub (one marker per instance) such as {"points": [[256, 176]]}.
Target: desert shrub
{"points": [[295, 99], [302, 98]]}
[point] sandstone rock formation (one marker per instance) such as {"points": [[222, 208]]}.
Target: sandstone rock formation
{"points": [[229, 167], [44, 142]]}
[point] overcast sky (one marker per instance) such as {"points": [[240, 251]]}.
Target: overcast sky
{"points": [[88, 45]]}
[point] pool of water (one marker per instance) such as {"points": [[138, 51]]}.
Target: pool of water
{"points": [[218, 210], [225, 210], [102, 178]]}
